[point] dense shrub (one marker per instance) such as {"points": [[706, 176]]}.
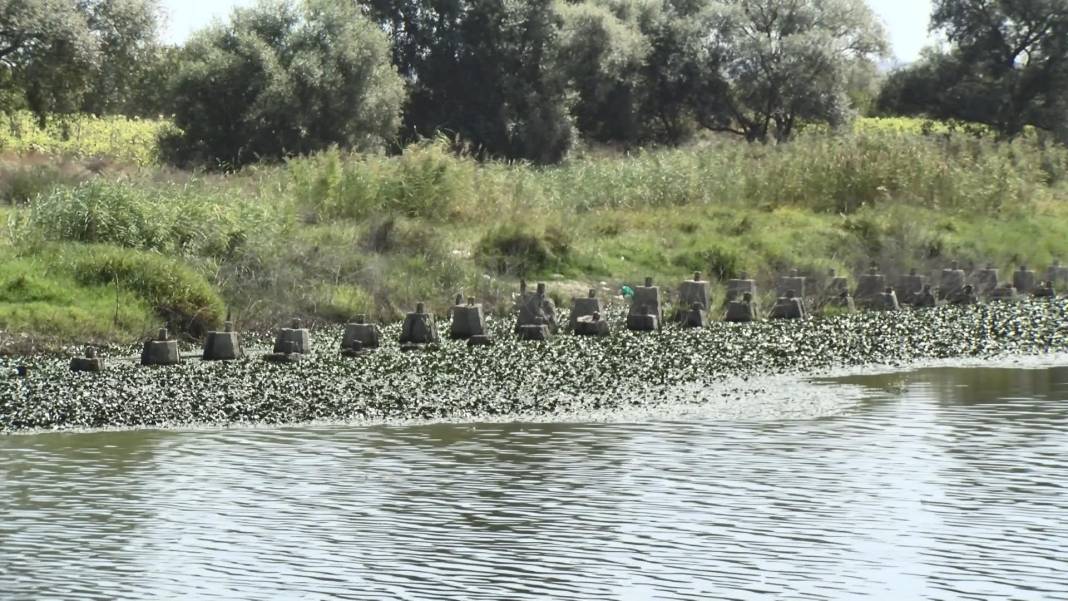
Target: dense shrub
{"points": [[427, 180], [180, 296], [514, 250], [179, 219]]}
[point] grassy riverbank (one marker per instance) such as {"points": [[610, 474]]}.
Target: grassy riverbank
{"points": [[108, 251], [566, 376]]}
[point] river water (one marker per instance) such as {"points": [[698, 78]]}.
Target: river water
{"points": [[942, 483]]}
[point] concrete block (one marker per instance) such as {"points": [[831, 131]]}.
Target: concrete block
{"points": [[592, 325], [869, 287], [742, 310], [965, 296], [647, 301], [294, 337], [925, 298], [366, 335], [89, 363], [1024, 280], [1057, 273], [794, 281], [223, 346], [533, 332], [951, 281], [739, 286], [583, 307], [695, 291], [419, 327], [909, 287], [354, 349], [285, 351], [637, 322], [788, 307], [536, 309], [836, 285], [161, 351], [467, 321], [887, 301], [1045, 290], [986, 280], [1004, 293], [843, 302], [696, 317]]}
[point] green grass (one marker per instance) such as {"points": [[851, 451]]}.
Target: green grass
{"points": [[329, 236], [48, 305]]}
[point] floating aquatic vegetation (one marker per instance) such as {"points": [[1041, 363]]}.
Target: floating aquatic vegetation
{"points": [[565, 374]]}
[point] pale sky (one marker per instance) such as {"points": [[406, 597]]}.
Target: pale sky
{"points": [[905, 20]]}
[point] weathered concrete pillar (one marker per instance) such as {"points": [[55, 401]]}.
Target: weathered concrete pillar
{"points": [[696, 317], [533, 332], [794, 281], [161, 351], [89, 363], [836, 284], [986, 280], [224, 345], [869, 287], [966, 296], [641, 319], [1057, 273], [419, 328], [1045, 290], [910, 286], [592, 325], [843, 302], [583, 307], [646, 302], [360, 335], [1023, 279], [467, 320], [536, 310], [887, 300], [286, 350], [789, 306], [952, 280], [739, 286], [925, 298], [741, 310], [294, 339], [695, 290], [1004, 293]]}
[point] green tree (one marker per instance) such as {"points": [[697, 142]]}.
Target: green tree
{"points": [[782, 62], [280, 80], [1006, 67], [47, 54], [127, 34], [604, 54], [487, 72]]}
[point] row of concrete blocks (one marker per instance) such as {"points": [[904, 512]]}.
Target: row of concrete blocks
{"points": [[536, 318], [952, 280]]}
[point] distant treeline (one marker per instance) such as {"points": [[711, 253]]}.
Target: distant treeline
{"points": [[524, 79]]}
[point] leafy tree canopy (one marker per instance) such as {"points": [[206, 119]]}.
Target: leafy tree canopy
{"points": [[279, 80], [1006, 66]]}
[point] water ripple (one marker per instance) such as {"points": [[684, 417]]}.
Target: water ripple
{"points": [[945, 484]]}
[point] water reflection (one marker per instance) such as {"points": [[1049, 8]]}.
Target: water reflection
{"points": [[947, 484]]}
